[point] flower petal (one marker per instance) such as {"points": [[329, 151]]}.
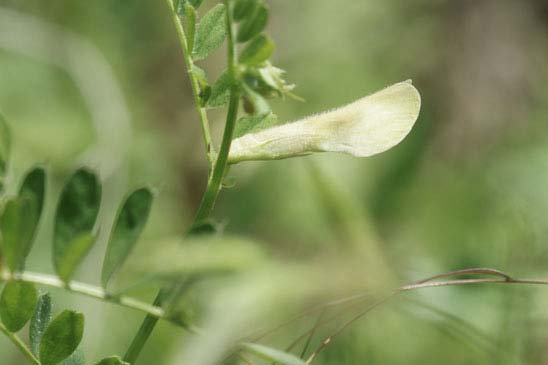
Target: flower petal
{"points": [[365, 127]]}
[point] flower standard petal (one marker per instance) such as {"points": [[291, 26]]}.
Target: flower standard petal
{"points": [[365, 127]]}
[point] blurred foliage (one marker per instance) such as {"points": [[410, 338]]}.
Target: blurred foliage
{"points": [[465, 189]]}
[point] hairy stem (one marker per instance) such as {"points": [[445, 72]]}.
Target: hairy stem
{"points": [[19, 344], [216, 178], [219, 168], [187, 54]]}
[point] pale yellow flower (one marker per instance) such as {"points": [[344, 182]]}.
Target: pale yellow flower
{"points": [[363, 128]]}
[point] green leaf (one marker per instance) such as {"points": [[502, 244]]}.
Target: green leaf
{"points": [[210, 33], [270, 354], [21, 218], [17, 231], [244, 9], [73, 255], [5, 148], [77, 358], [62, 337], [190, 25], [17, 304], [253, 25], [113, 360], [257, 51], [39, 322], [254, 123], [220, 91], [74, 221], [129, 224], [34, 189]]}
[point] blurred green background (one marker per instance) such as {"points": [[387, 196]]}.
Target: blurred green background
{"points": [[467, 188]]}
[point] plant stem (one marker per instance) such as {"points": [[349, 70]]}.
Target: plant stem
{"points": [[219, 168], [143, 334], [187, 55], [19, 344], [85, 289], [436, 284], [216, 178]]}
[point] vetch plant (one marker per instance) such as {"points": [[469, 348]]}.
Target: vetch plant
{"points": [[366, 127]]}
